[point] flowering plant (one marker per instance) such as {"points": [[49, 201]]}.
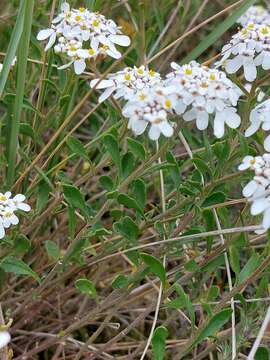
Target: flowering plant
{"points": [[148, 175]]}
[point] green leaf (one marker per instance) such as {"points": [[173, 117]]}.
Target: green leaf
{"points": [[234, 259], [129, 202], [13, 46], [52, 249], [120, 282], [77, 147], [128, 163], [111, 145], [27, 130], [262, 354], [86, 287], [155, 266], [215, 198], [127, 228], [21, 244], [106, 182], [11, 264], [218, 31], [136, 148], [250, 266], [75, 198], [201, 166], [212, 327], [159, 342], [187, 303], [139, 192]]}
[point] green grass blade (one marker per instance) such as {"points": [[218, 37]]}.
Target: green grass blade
{"points": [[21, 76], [218, 32], [12, 47]]}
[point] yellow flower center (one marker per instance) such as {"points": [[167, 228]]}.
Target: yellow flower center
{"points": [[8, 214], [188, 71], [91, 52], [168, 103], [140, 71], [78, 18], [105, 47], [250, 26], [142, 97], [265, 31], [3, 198], [73, 48], [152, 72], [127, 77], [204, 85], [212, 77], [95, 23], [252, 161], [82, 9]]}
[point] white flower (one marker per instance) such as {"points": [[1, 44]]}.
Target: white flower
{"points": [[150, 107], [249, 48], [257, 191], [8, 206], [251, 162], [126, 83], [4, 338], [12, 64], [96, 36], [202, 93], [260, 117], [255, 14]]}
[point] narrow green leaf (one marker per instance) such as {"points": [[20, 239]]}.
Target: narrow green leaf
{"points": [[77, 147], [74, 197], [111, 145], [250, 266], [139, 191], [159, 342], [212, 327], [129, 202], [52, 249], [11, 264], [215, 198], [137, 148], [13, 46]]}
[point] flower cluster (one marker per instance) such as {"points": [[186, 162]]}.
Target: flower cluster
{"points": [[150, 106], [201, 92], [257, 191], [260, 117], [8, 206], [255, 14], [83, 35], [126, 83], [249, 48]]}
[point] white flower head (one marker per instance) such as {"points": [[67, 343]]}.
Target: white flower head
{"points": [[248, 49], [255, 14], [8, 207], [126, 83], [83, 35], [203, 92], [260, 118], [150, 107], [257, 190]]}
